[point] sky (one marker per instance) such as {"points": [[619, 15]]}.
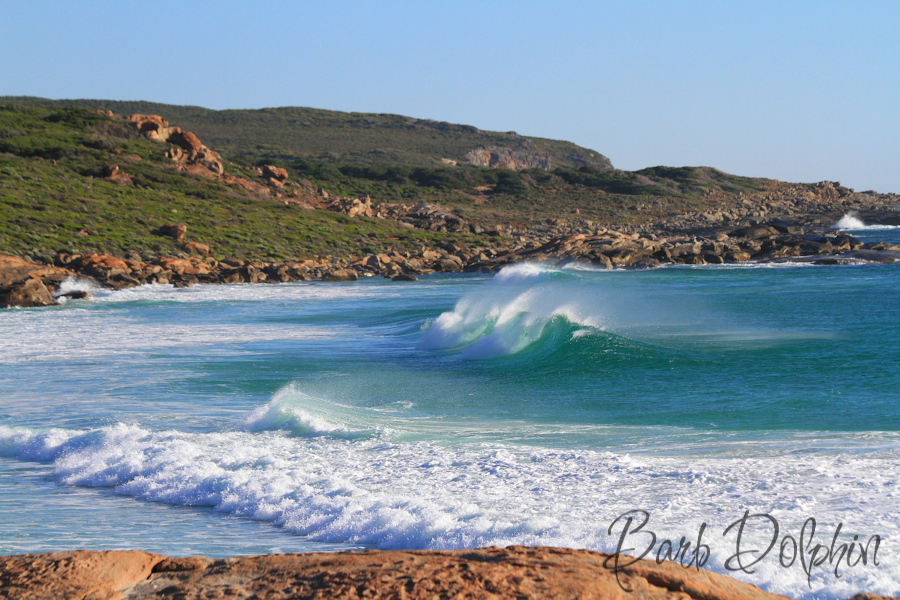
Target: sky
{"points": [[800, 91]]}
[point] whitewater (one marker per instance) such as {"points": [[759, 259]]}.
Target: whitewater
{"points": [[531, 407]]}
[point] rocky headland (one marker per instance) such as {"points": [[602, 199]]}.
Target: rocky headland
{"points": [[489, 573]]}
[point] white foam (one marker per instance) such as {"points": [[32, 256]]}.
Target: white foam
{"points": [[81, 333], [300, 414], [461, 495], [251, 292], [77, 284], [850, 222], [521, 274]]}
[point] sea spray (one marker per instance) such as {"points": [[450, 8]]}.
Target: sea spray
{"points": [[852, 222], [512, 312]]}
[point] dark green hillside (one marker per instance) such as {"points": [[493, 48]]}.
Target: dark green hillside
{"points": [[337, 137]]}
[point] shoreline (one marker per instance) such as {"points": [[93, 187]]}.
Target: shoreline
{"points": [[512, 572], [28, 284]]}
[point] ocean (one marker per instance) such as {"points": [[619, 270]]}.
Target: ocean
{"points": [[750, 411]]}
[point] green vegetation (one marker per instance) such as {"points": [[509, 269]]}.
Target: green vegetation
{"points": [[50, 203], [52, 198], [327, 136]]}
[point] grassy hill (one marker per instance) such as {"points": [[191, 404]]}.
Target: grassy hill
{"points": [[336, 137], [52, 198]]}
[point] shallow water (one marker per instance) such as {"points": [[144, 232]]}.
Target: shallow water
{"points": [[533, 407]]}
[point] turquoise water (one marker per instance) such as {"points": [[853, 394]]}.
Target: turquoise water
{"points": [[533, 407]]}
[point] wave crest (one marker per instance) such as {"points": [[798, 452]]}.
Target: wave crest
{"points": [[302, 415]]}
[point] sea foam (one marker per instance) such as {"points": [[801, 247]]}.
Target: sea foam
{"points": [[851, 222], [460, 495]]}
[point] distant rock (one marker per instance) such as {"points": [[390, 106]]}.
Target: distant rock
{"points": [[341, 275], [90, 262], [404, 277], [25, 283], [496, 157], [171, 230], [755, 232], [196, 248], [276, 173], [188, 150], [75, 295], [186, 140], [31, 292]]}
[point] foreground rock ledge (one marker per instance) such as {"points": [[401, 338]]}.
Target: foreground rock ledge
{"points": [[514, 572]]}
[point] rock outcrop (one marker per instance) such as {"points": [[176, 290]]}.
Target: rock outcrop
{"points": [[496, 157], [175, 231], [490, 573], [187, 150], [430, 217], [341, 275], [27, 284], [601, 248]]}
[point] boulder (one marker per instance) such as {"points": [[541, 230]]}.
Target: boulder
{"points": [[186, 140], [171, 230], [75, 295], [341, 275], [404, 277], [756, 232], [93, 261], [273, 172], [29, 293], [196, 248], [148, 124]]}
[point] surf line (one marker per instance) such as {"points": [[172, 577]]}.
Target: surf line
{"points": [[695, 553]]}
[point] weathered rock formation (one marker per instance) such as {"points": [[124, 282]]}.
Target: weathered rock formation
{"points": [[489, 573], [496, 157], [187, 150], [430, 217], [171, 230], [341, 275], [26, 284]]}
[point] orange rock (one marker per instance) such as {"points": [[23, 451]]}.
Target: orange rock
{"points": [[250, 186], [140, 119], [186, 140], [490, 573], [103, 261], [199, 170], [197, 248], [78, 574], [276, 173], [176, 154], [121, 179]]}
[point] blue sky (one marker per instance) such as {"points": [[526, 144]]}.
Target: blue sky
{"points": [[799, 91]]}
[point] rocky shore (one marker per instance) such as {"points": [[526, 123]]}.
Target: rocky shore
{"points": [[495, 573], [26, 284], [786, 222]]}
